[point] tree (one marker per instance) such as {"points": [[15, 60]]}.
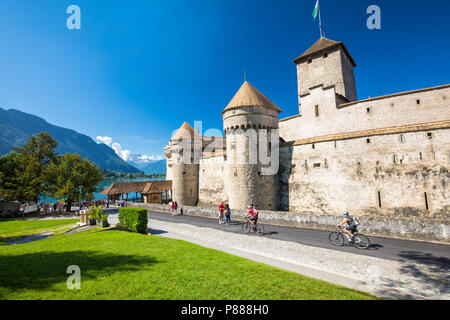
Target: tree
{"points": [[10, 187], [71, 172], [34, 159]]}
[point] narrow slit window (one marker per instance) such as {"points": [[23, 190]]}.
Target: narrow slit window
{"points": [[421, 155], [313, 146], [317, 110], [368, 140], [427, 207], [380, 205], [402, 138]]}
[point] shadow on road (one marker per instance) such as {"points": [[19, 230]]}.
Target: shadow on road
{"points": [[155, 231], [434, 272]]}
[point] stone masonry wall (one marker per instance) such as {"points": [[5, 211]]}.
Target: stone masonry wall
{"points": [[395, 176], [391, 111]]}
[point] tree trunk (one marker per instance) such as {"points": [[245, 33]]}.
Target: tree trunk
{"points": [[69, 205]]}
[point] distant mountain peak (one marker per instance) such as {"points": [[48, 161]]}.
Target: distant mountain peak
{"points": [[17, 126]]}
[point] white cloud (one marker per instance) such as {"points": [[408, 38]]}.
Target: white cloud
{"points": [[126, 154], [105, 140]]}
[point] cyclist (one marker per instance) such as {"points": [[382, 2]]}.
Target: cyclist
{"points": [[351, 226], [252, 216]]}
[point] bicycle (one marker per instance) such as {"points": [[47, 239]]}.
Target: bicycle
{"points": [[360, 241], [258, 229]]}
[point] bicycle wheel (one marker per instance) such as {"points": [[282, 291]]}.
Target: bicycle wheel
{"points": [[246, 227], [259, 229], [361, 241], [336, 239]]}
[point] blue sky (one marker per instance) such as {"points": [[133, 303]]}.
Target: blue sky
{"points": [[138, 68]]}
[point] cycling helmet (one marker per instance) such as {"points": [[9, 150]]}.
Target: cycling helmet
{"points": [[346, 213]]}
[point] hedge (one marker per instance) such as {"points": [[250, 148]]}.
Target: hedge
{"points": [[134, 219]]}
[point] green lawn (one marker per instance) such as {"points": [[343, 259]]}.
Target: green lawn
{"points": [[12, 228], [122, 265]]}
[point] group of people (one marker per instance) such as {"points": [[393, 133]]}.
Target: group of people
{"points": [[174, 208], [225, 212], [97, 203]]}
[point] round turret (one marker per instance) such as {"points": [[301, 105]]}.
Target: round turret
{"points": [[251, 126]]}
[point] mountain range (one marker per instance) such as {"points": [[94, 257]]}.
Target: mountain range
{"points": [[17, 126], [150, 166]]}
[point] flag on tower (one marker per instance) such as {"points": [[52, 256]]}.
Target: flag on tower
{"points": [[316, 10]]}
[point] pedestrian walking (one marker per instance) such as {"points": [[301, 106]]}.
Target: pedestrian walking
{"points": [[176, 207], [172, 208], [228, 214], [221, 211]]}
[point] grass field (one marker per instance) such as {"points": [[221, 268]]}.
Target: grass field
{"points": [[122, 265], [12, 228]]}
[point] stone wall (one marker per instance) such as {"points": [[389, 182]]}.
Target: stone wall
{"points": [[391, 176], [405, 228], [212, 189], [415, 107]]}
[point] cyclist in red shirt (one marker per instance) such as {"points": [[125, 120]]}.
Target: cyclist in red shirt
{"points": [[252, 216]]}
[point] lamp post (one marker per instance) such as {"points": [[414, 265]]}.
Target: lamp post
{"points": [[79, 200]]}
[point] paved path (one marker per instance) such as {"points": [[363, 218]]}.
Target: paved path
{"points": [[433, 254], [382, 277]]}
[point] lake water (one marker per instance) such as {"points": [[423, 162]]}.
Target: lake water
{"points": [[105, 184]]}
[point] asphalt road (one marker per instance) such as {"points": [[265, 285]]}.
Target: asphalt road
{"points": [[432, 254]]}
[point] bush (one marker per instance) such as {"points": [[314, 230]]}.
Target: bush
{"points": [[95, 213], [134, 219]]}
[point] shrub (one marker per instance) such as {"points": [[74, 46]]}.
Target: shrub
{"points": [[134, 219], [95, 213]]}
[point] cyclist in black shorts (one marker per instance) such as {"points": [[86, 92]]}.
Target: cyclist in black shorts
{"points": [[351, 227], [252, 216]]}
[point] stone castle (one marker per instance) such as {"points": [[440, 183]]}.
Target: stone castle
{"points": [[387, 155]]}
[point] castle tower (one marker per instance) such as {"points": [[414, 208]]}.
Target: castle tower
{"points": [[327, 63], [250, 123], [184, 148]]}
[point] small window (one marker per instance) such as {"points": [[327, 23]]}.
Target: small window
{"points": [[402, 138], [369, 110], [317, 110], [335, 144], [418, 101], [420, 155], [316, 165], [368, 140], [380, 205], [427, 206], [325, 55], [430, 135], [313, 146], [309, 60]]}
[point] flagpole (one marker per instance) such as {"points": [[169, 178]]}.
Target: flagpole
{"points": [[320, 20]]}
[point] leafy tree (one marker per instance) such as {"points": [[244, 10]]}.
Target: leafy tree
{"points": [[71, 172], [10, 187], [33, 161]]}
